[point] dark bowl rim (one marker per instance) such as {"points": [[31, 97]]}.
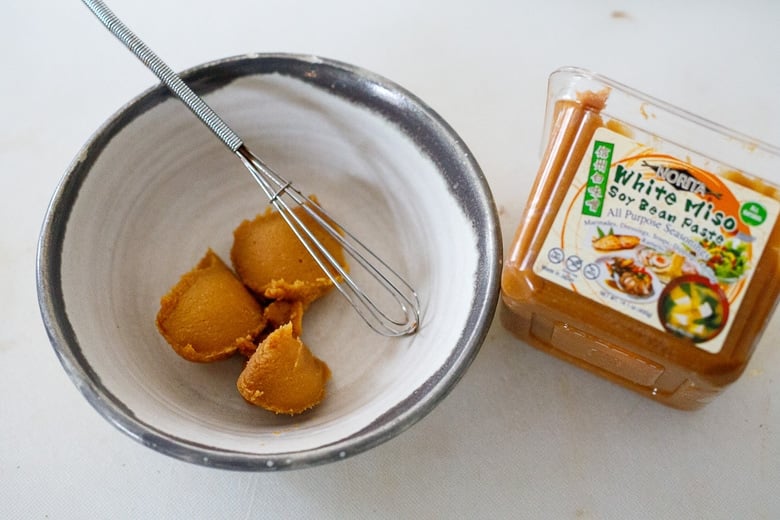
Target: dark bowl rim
{"points": [[393, 102]]}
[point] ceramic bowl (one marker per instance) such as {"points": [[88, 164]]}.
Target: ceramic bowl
{"points": [[154, 188]]}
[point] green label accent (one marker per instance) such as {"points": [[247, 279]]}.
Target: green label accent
{"points": [[600, 162], [753, 213]]}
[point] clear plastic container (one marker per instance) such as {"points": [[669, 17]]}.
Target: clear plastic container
{"points": [[649, 248]]}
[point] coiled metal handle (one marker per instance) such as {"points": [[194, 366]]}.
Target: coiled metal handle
{"points": [[165, 73]]}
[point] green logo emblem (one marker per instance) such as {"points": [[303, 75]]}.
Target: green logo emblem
{"points": [[752, 213]]}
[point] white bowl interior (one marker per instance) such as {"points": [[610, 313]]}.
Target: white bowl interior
{"points": [[164, 189]]}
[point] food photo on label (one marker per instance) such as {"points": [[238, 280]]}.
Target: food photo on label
{"points": [[648, 250]]}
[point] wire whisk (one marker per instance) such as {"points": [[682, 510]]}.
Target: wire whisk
{"points": [[398, 312]]}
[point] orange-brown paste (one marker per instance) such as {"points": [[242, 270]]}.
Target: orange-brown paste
{"points": [[283, 376], [209, 314], [273, 262], [212, 313]]}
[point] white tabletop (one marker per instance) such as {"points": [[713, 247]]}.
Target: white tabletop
{"points": [[523, 435]]}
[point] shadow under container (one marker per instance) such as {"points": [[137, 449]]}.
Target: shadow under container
{"points": [[648, 250]]}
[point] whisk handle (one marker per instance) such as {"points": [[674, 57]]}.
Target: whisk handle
{"points": [[165, 73]]}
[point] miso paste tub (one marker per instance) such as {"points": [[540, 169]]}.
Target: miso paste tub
{"points": [[648, 249]]}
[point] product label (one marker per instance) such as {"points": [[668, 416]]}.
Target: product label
{"points": [[659, 239]]}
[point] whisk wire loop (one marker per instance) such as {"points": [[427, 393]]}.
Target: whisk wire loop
{"points": [[285, 198]]}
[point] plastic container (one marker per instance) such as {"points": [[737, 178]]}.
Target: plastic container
{"points": [[648, 250]]}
